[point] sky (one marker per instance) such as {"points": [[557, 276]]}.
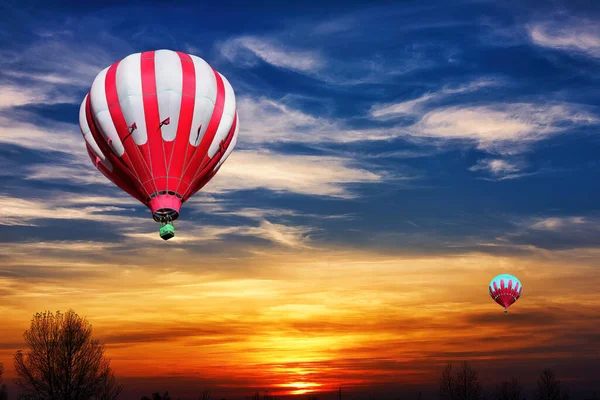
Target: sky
{"points": [[393, 157]]}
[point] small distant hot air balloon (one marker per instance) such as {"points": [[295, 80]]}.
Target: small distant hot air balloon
{"points": [[505, 289], [159, 125]]}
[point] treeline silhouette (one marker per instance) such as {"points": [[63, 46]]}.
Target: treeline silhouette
{"points": [[63, 361]]}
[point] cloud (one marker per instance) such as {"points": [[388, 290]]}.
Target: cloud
{"points": [[69, 58], [24, 212], [43, 135], [71, 166], [415, 106], [296, 236], [246, 49], [56, 66], [310, 175], [500, 169], [502, 127], [268, 121], [557, 233], [262, 213], [558, 223], [12, 95], [574, 35]]}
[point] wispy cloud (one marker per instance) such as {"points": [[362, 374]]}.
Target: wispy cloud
{"points": [[310, 175], [556, 232], [245, 51], [416, 106], [294, 236], [269, 121], [18, 211], [558, 223], [12, 95], [69, 57], [573, 35], [500, 169], [502, 127], [43, 135]]}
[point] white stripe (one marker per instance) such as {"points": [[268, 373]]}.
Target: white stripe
{"points": [[232, 144], [89, 138], [102, 115], [169, 85], [226, 118], [204, 103], [131, 99]]}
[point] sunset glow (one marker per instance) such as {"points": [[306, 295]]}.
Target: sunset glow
{"points": [[393, 158], [300, 387]]}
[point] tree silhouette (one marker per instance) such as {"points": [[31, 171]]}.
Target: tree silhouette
{"points": [[548, 387], [63, 361], [468, 386], [509, 391], [205, 395], [463, 386], [447, 384], [157, 396], [3, 389]]}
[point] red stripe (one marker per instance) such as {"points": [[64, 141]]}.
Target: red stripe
{"points": [[119, 167], [132, 151], [186, 115], [158, 165], [207, 172], [192, 168], [114, 178]]}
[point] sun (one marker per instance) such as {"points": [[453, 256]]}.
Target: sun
{"points": [[300, 387]]}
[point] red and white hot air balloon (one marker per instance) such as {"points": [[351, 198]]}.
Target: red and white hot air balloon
{"points": [[160, 124]]}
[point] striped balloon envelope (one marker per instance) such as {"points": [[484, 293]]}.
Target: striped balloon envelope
{"points": [[159, 125], [505, 289]]}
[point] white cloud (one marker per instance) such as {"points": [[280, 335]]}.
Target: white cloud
{"points": [[68, 173], [260, 214], [268, 121], [271, 52], [114, 200], [13, 95], [500, 169], [415, 106], [575, 35], [502, 127], [285, 235], [66, 60], [43, 136], [16, 211], [291, 236], [557, 223], [313, 175]]}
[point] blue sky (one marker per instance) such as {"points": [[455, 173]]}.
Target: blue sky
{"points": [[465, 133], [411, 126]]}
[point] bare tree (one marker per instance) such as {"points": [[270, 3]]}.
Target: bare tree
{"points": [[63, 361], [506, 390], [548, 387], [447, 384], [205, 395], [157, 396], [3, 389], [468, 386]]}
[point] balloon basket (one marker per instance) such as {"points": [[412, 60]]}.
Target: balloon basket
{"points": [[167, 231]]}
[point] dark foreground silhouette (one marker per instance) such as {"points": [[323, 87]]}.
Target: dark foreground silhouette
{"points": [[63, 361]]}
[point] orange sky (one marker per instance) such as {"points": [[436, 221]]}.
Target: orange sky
{"points": [[307, 319]]}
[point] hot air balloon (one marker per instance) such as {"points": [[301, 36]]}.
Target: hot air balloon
{"points": [[159, 125], [505, 289]]}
